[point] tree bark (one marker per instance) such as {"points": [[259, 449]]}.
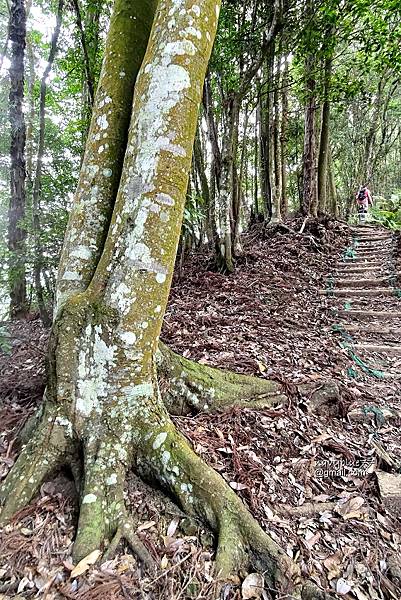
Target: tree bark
{"points": [[265, 136], [335, 208], [284, 140], [16, 212], [309, 198], [324, 138], [277, 188], [227, 188], [309, 182], [104, 153], [38, 250]]}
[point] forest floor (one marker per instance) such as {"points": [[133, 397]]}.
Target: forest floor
{"points": [[323, 483]]}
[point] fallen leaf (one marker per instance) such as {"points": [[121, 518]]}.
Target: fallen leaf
{"points": [[164, 562], [262, 367], [252, 586], [146, 525], [349, 509], [342, 587], [333, 564], [85, 563], [172, 528], [237, 486]]}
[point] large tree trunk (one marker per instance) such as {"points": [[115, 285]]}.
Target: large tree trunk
{"points": [[103, 413], [16, 213]]}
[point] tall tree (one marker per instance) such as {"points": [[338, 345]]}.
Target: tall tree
{"points": [[309, 200], [38, 250], [16, 213]]}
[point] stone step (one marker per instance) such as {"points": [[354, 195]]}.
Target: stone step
{"points": [[368, 230], [344, 292], [363, 262], [380, 253], [344, 273], [360, 283], [377, 329], [372, 315], [379, 349], [374, 240]]}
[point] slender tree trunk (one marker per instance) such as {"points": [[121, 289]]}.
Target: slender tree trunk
{"points": [[208, 203], [238, 207], [309, 202], [256, 165], [38, 256], [284, 140], [31, 78], [324, 138], [335, 209], [228, 185], [265, 136], [16, 213], [277, 188], [216, 163]]}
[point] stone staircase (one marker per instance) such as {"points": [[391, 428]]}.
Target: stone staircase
{"points": [[363, 295]]}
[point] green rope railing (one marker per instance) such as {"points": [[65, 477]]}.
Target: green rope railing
{"points": [[330, 283], [347, 345]]}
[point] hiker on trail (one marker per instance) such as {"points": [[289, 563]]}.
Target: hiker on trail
{"points": [[363, 200]]}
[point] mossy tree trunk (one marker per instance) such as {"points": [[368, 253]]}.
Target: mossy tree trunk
{"points": [[103, 412]]}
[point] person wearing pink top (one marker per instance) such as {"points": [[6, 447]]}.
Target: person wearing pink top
{"points": [[363, 201]]}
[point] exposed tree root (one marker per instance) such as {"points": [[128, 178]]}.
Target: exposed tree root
{"points": [[127, 531], [161, 454], [168, 459], [189, 387], [145, 436], [47, 450]]}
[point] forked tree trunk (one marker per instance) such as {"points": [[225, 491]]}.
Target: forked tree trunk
{"points": [[16, 212], [103, 414], [265, 111]]}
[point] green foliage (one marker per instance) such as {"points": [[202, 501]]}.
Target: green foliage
{"points": [[194, 215], [5, 340], [388, 212]]}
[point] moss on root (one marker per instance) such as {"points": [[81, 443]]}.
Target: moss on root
{"points": [[166, 457], [48, 449], [189, 387]]}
